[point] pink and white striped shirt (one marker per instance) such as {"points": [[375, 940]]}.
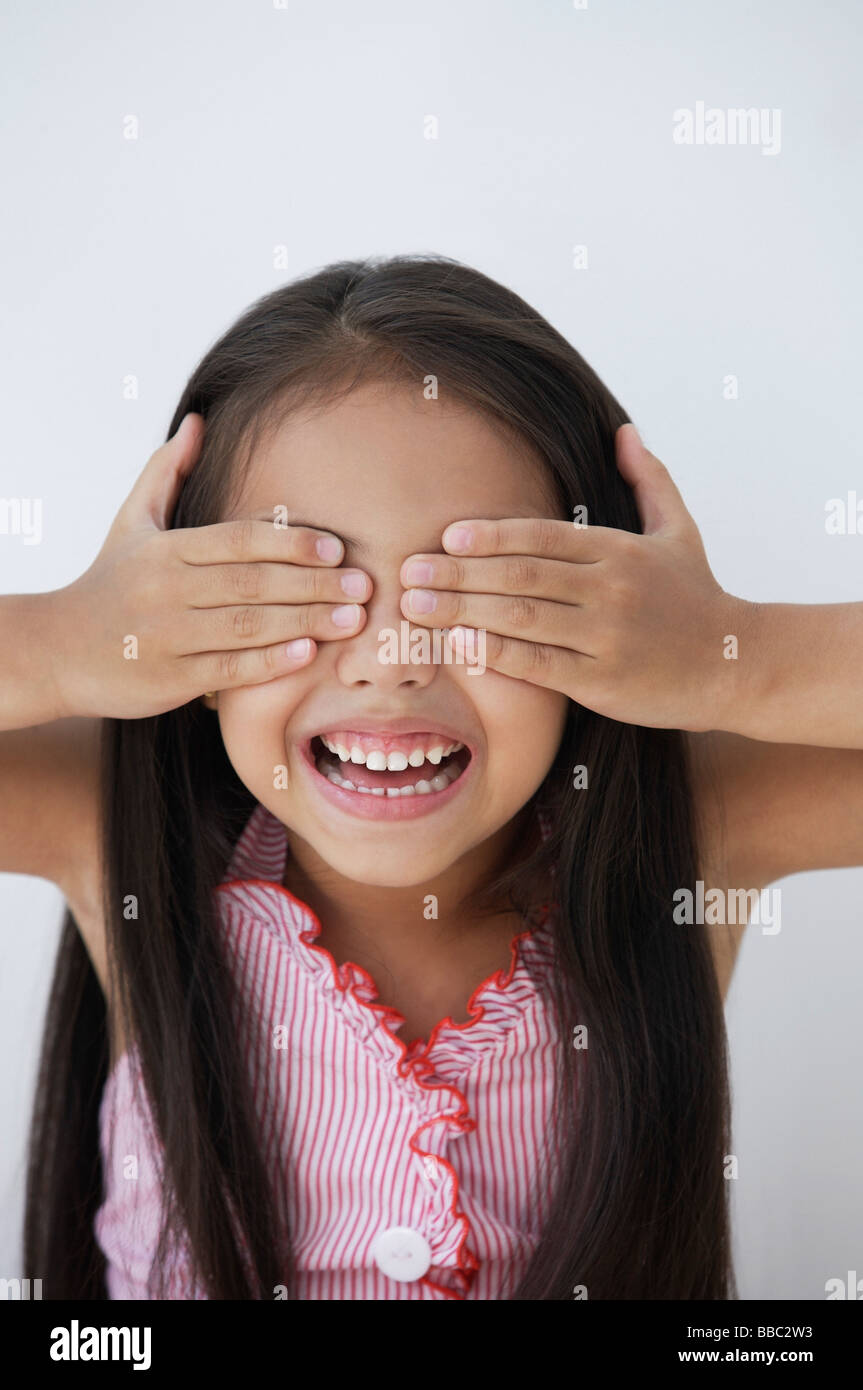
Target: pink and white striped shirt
{"points": [[410, 1171]]}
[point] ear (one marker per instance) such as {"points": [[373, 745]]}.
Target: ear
{"points": [[210, 699]]}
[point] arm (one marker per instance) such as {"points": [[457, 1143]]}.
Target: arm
{"points": [[769, 810], [798, 676], [49, 816], [775, 733], [28, 694]]}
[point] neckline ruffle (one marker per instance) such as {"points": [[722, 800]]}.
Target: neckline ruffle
{"points": [[497, 1004]]}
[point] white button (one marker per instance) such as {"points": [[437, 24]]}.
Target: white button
{"points": [[402, 1253]]}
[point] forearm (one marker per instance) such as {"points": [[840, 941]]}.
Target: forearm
{"points": [[28, 662], [797, 676]]}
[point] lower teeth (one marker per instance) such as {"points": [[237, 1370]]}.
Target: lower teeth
{"points": [[438, 783]]}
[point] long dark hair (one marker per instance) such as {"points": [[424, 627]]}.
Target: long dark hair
{"points": [[640, 1210]]}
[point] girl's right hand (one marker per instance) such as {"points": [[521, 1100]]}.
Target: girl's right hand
{"points": [[163, 616]]}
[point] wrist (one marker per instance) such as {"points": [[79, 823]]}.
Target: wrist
{"points": [[28, 692], [47, 655], [740, 680]]}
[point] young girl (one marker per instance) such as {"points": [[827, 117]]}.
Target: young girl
{"points": [[374, 755]]}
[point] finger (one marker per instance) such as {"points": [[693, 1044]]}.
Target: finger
{"points": [[660, 505], [260, 624], [248, 539], [555, 668], [506, 574], [220, 670], [222, 586], [544, 537], [153, 498], [513, 615]]}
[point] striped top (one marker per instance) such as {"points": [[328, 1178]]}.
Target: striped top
{"points": [[411, 1171]]}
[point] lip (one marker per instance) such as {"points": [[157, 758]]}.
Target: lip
{"points": [[404, 725], [385, 808]]}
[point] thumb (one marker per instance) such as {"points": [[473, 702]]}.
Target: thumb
{"points": [[660, 505], [154, 495]]}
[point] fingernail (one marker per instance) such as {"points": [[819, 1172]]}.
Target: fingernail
{"points": [[420, 572], [354, 584], [458, 538], [422, 600], [328, 547], [346, 615], [298, 649]]}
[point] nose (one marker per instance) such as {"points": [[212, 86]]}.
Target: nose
{"points": [[380, 654]]}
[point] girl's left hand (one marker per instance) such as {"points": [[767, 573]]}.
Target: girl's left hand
{"points": [[633, 626]]}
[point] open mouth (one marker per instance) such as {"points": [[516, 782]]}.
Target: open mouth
{"points": [[420, 764]]}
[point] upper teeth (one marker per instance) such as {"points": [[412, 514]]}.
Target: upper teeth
{"points": [[379, 761]]}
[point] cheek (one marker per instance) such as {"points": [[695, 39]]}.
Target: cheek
{"points": [[523, 724], [252, 722]]}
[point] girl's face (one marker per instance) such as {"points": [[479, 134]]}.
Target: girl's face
{"points": [[394, 470]]}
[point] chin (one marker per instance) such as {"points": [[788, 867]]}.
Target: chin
{"points": [[375, 874]]}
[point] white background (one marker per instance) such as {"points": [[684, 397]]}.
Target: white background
{"points": [[303, 127]]}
